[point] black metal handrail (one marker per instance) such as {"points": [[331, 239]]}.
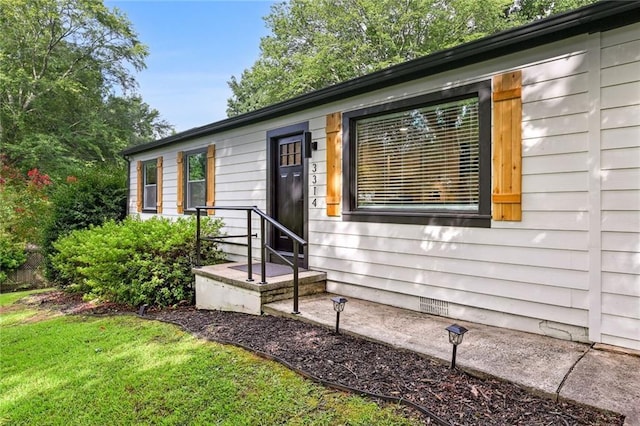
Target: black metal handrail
{"points": [[265, 219]]}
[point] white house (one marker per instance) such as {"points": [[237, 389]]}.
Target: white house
{"points": [[496, 182]]}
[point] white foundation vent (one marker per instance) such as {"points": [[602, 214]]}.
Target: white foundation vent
{"points": [[434, 306]]}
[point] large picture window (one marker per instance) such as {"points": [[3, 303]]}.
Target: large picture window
{"points": [[195, 182], [422, 160]]}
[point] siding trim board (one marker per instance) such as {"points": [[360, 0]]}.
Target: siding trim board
{"points": [[595, 191]]}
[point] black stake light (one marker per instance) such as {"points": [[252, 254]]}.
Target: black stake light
{"points": [[456, 333], [143, 310], [338, 306]]}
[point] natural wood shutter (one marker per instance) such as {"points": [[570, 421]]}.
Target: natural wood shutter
{"points": [[139, 187], [159, 185], [211, 177], [180, 196], [334, 160], [507, 146]]}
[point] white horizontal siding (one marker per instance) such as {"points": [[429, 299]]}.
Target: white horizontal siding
{"points": [[622, 262], [621, 179], [621, 305], [557, 107], [554, 163], [506, 238], [619, 54], [621, 241], [555, 201], [560, 144], [360, 274], [622, 284], [432, 255], [555, 182], [622, 158], [621, 117], [622, 327], [620, 74], [559, 88], [622, 137], [620, 95], [622, 221]]}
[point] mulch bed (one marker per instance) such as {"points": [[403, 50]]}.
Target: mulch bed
{"points": [[452, 395]]}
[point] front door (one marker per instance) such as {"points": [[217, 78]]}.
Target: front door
{"points": [[288, 197]]}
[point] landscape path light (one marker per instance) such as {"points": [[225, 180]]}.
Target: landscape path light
{"points": [[456, 334], [338, 306]]}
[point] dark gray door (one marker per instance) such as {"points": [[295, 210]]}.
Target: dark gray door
{"points": [[289, 194]]}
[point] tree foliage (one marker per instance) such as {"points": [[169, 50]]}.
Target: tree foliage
{"points": [[67, 93], [314, 44]]}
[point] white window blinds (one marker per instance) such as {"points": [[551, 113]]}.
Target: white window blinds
{"points": [[421, 159]]}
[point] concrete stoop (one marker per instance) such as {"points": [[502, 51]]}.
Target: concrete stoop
{"points": [[225, 287]]}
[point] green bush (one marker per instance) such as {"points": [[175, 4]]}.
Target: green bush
{"points": [[134, 261], [24, 203], [89, 197], [12, 255]]}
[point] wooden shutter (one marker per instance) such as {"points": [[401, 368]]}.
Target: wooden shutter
{"points": [[334, 163], [159, 186], [140, 187], [507, 146], [180, 183], [211, 177]]}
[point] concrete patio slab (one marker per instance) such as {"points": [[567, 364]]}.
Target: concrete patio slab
{"points": [[607, 380]]}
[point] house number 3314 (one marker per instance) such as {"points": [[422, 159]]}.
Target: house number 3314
{"points": [[314, 183]]}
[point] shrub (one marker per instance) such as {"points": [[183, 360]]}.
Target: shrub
{"points": [[24, 208], [12, 255], [87, 198], [135, 261], [24, 203]]}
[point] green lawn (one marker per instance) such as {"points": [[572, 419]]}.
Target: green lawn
{"points": [[61, 370]]}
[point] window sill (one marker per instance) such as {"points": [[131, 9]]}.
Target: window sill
{"points": [[419, 218]]}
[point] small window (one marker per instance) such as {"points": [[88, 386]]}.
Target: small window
{"points": [[150, 175], [291, 153], [422, 160], [195, 182]]}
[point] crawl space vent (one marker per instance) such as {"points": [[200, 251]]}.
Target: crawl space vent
{"points": [[434, 306]]}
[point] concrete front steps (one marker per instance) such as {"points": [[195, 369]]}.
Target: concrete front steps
{"points": [[225, 287]]}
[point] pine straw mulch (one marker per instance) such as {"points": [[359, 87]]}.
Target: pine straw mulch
{"points": [[452, 395]]}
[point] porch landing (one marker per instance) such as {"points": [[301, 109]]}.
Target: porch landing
{"points": [[225, 287]]}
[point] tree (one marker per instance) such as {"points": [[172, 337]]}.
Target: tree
{"points": [[314, 44], [61, 64]]}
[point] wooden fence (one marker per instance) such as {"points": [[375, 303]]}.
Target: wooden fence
{"points": [[29, 275]]}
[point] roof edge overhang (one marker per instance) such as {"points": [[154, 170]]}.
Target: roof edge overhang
{"points": [[601, 16]]}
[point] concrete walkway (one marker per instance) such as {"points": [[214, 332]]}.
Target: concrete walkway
{"points": [[573, 371]]}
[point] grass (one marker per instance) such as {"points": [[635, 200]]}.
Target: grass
{"points": [[61, 370]]}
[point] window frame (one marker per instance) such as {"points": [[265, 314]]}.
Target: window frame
{"points": [[481, 218], [146, 209], [186, 155]]}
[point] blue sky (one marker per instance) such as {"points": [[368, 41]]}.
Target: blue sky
{"points": [[195, 47]]}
